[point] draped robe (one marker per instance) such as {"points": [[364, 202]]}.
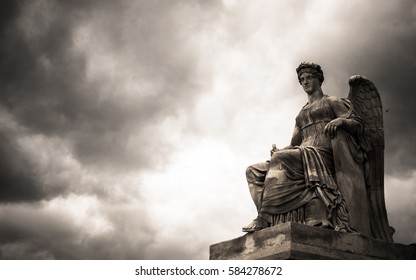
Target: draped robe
{"points": [[299, 184]]}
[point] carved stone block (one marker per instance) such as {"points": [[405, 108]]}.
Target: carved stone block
{"points": [[298, 241]]}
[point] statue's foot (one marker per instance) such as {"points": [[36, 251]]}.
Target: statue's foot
{"points": [[320, 223], [326, 224], [340, 228], [257, 224]]}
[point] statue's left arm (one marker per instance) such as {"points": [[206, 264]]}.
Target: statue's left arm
{"points": [[345, 118]]}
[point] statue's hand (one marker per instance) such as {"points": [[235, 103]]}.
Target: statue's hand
{"points": [[273, 150], [332, 126]]}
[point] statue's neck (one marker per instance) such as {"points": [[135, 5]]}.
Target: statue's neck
{"points": [[315, 96]]}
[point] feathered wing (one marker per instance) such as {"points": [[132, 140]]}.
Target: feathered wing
{"points": [[366, 102]]}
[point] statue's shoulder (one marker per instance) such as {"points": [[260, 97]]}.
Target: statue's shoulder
{"points": [[336, 101]]}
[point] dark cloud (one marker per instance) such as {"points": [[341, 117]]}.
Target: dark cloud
{"points": [[87, 125], [30, 232], [18, 181], [44, 83]]}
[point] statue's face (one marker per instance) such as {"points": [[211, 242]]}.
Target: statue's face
{"points": [[309, 83]]}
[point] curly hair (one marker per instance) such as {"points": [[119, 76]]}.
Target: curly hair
{"points": [[312, 68]]}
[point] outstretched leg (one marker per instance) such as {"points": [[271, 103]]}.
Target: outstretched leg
{"points": [[255, 175]]}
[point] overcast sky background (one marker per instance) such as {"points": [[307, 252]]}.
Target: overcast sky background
{"points": [[126, 126]]}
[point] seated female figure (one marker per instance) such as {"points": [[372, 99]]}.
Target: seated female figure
{"points": [[298, 183]]}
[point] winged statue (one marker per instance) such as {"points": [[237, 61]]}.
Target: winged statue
{"points": [[332, 173]]}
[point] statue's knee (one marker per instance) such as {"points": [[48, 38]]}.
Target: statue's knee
{"points": [[249, 172]]}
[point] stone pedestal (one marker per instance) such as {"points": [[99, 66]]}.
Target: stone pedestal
{"points": [[298, 241]]}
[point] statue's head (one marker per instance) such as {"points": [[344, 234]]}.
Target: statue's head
{"points": [[312, 68]]}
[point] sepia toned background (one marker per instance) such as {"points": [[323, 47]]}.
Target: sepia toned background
{"points": [[126, 126]]}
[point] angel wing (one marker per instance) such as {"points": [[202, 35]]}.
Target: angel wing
{"points": [[366, 102]]}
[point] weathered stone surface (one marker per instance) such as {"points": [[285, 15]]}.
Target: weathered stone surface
{"points": [[298, 241]]}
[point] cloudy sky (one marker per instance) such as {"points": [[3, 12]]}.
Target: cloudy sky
{"points": [[126, 126]]}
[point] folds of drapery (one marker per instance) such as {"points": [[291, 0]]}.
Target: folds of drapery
{"points": [[349, 161], [295, 177]]}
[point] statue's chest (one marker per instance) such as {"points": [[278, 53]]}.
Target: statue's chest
{"points": [[316, 113]]}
